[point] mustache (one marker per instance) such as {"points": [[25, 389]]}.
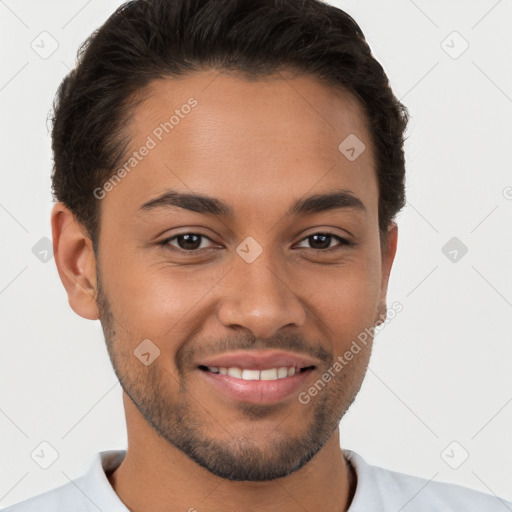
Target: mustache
{"points": [[290, 342]]}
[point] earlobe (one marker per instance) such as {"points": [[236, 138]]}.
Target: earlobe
{"points": [[75, 260]]}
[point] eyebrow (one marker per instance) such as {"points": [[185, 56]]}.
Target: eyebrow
{"points": [[338, 199]]}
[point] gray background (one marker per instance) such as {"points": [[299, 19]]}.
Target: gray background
{"points": [[439, 385]]}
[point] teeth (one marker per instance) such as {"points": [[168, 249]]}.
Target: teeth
{"points": [[235, 372], [251, 375], [269, 374], [282, 372]]}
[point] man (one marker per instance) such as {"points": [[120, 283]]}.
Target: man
{"points": [[227, 176]]}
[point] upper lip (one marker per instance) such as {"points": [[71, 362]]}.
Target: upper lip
{"points": [[258, 360]]}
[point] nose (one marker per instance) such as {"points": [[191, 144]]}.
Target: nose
{"points": [[258, 296]]}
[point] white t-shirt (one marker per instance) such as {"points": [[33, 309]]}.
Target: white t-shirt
{"points": [[378, 490]]}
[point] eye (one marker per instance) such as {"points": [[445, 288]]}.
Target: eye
{"points": [[186, 242], [322, 241]]}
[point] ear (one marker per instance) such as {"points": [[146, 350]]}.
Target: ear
{"points": [[388, 256], [75, 260]]}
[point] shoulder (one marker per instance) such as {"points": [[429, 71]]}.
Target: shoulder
{"points": [[66, 497], [382, 489], [88, 493]]}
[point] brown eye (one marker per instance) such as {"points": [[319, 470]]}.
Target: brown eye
{"points": [[186, 242], [322, 241], [189, 241]]}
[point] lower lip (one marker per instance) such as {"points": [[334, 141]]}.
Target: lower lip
{"points": [[257, 391]]}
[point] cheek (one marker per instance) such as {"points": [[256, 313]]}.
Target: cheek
{"points": [[348, 315], [156, 300], [346, 297]]}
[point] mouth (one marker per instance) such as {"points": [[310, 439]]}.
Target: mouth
{"points": [[257, 377]]}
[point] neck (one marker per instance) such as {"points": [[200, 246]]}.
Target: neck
{"points": [[155, 476]]}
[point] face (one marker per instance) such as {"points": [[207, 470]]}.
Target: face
{"points": [[220, 313]]}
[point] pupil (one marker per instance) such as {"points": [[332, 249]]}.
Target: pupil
{"points": [[186, 239], [323, 245]]}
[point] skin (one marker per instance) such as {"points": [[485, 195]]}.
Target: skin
{"points": [[259, 156]]}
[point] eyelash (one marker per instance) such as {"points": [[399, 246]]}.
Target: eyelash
{"points": [[343, 243]]}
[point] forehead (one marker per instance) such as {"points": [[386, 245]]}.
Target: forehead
{"points": [[249, 141]]}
